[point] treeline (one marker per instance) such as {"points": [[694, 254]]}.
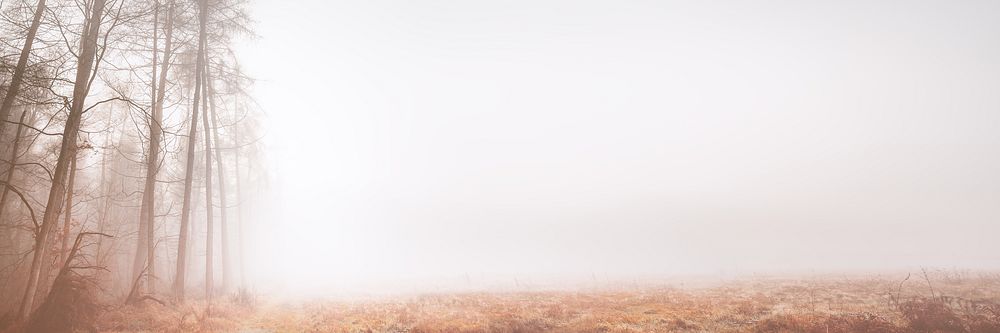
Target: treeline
{"points": [[128, 144]]}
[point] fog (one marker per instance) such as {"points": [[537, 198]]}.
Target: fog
{"points": [[533, 142]]}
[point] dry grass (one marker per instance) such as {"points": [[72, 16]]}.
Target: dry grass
{"points": [[761, 305]]}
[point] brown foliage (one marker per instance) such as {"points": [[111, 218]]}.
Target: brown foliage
{"points": [[950, 315], [71, 305], [811, 323]]}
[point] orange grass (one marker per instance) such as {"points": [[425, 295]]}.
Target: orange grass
{"points": [[756, 305]]}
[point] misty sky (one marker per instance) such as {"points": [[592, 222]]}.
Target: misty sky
{"points": [[414, 139]]}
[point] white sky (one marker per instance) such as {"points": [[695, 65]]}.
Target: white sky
{"points": [[418, 139]]}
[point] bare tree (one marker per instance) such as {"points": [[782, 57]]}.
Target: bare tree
{"points": [[189, 169], [145, 247], [22, 63], [209, 207], [67, 151], [221, 170]]}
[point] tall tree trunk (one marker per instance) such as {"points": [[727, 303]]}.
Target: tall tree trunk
{"points": [[143, 240], [22, 64], [155, 137], [67, 152], [68, 216], [189, 169], [209, 208], [227, 273], [148, 208]]}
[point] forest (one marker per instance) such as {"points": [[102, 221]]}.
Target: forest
{"points": [[129, 141], [441, 166]]}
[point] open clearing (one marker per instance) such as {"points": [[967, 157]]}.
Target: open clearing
{"points": [[942, 302]]}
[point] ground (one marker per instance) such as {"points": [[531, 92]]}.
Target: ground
{"points": [[939, 302]]}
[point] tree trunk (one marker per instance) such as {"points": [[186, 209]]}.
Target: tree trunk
{"points": [[143, 241], [68, 216], [209, 209], [227, 273], [189, 169], [67, 152], [22, 64], [148, 208]]}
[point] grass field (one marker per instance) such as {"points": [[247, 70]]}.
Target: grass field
{"points": [[938, 302]]}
